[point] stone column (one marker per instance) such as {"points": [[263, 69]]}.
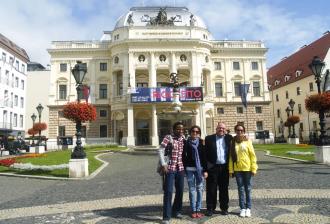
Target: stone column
{"points": [[130, 140], [202, 119], [173, 63], [152, 71], [131, 70], [196, 70], [154, 137], [125, 58]]}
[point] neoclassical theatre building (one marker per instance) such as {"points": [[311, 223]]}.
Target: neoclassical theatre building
{"points": [[129, 73]]}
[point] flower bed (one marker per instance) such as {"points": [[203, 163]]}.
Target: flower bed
{"points": [[7, 162], [29, 166]]}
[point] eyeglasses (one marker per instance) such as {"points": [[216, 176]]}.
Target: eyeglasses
{"points": [[194, 131]]}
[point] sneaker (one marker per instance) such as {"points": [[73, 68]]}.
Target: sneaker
{"points": [[166, 222], [178, 216], [194, 215], [224, 212], [209, 213], [242, 213], [248, 212]]}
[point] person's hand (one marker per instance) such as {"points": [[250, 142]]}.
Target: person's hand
{"points": [[253, 174], [205, 175], [164, 169]]}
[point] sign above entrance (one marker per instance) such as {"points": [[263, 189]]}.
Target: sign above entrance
{"points": [[145, 95]]}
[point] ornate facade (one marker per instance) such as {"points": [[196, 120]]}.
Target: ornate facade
{"points": [[145, 46]]}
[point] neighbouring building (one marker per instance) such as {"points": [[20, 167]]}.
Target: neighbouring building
{"points": [[292, 79], [13, 64], [37, 90], [145, 46]]}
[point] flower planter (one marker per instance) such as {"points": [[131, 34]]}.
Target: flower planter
{"points": [[322, 154], [78, 168], [293, 141], [40, 149]]}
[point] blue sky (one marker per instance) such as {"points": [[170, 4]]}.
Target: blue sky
{"points": [[284, 25]]}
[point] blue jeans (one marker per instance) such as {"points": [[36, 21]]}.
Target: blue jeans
{"points": [[195, 188], [173, 178], [243, 179]]}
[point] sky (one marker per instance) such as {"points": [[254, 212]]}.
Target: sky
{"points": [[283, 25]]}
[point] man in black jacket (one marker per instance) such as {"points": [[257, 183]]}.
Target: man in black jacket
{"points": [[217, 155]]}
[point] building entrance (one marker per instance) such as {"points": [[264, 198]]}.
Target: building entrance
{"points": [[142, 131]]}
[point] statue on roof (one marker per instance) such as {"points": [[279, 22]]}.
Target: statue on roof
{"points": [[161, 18], [130, 19]]}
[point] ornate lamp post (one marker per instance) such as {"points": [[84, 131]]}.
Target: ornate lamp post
{"points": [[317, 67], [33, 117], [291, 104], [287, 110], [79, 71], [39, 109]]}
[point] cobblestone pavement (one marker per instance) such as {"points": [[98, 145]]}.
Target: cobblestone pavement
{"points": [[128, 191]]}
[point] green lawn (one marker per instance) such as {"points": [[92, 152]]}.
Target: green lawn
{"points": [[282, 149], [61, 157]]}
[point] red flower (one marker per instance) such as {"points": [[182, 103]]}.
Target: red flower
{"points": [[7, 162], [293, 119], [40, 126], [317, 102], [82, 112], [31, 131]]}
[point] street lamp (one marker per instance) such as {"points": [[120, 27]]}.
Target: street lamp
{"points": [[287, 110], [39, 109], [317, 66], [33, 117], [79, 71], [291, 104]]}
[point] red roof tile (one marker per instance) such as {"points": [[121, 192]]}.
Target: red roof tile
{"points": [[298, 61]]}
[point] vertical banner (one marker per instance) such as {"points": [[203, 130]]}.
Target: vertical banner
{"points": [[244, 88]]}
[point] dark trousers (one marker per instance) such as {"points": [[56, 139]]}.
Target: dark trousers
{"points": [[175, 178], [218, 178]]}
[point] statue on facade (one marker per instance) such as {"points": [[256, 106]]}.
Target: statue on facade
{"points": [[192, 20], [130, 19]]}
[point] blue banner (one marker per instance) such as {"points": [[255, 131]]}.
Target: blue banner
{"points": [[165, 94]]}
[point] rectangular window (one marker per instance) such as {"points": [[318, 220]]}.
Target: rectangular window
{"points": [[21, 121], [103, 113], [254, 65], [298, 91], [286, 94], [256, 88], [120, 89], [11, 60], [299, 109], [62, 92], [278, 113], [217, 65], [83, 131], [277, 99], [22, 84], [103, 94], [311, 87], [314, 125], [16, 82], [23, 68], [15, 120], [4, 57], [236, 65], [22, 102], [16, 101], [17, 65], [63, 67], [103, 66], [259, 126], [60, 113], [237, 88], [103, 131], [239, 110], [61, 130], [220, 110], [142, 84], [301, 126], [218, 89], [259, 110]]}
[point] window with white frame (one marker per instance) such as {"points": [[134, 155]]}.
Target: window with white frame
{"points": [[20, 121], [239, 110], [16, 82], [218, 89], [103, 91], [254, 65], [63, 67], [16, 101], [22, 102], [217, 65], [237, 88], [4, 56], [23, 68], [62, 92], [220, 110], [311, 87], [299, 109], [17, 65], [15, 120], [22, 84], [103, 66], [103, 113], [236, 65], [258, 109], [61, 130], [256, 88]]}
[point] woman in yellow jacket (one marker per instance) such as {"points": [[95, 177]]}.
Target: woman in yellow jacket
{"points": [[243, 165]]}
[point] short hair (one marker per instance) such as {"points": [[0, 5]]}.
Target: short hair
{"points": [[193, 127], [177, 124]]}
